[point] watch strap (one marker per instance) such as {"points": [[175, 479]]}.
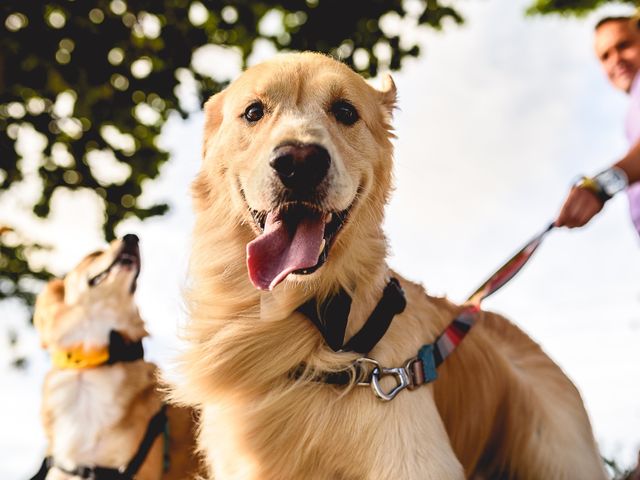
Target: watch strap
{"points": [[590, 184]]}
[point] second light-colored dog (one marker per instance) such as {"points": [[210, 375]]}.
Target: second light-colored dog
{"points": [[101, 395]]}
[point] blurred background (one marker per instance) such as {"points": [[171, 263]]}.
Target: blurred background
{"points": [[502, 105]]}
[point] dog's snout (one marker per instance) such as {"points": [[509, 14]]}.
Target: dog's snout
{"points": [[130, 239], [300, 166]]}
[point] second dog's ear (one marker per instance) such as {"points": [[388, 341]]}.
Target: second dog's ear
{"points": [[212, 118], [389, 94], [49, 302]]}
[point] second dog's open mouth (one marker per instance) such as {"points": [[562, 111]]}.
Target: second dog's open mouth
{"points": [[295, 239]]}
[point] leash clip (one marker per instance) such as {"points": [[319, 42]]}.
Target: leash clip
{"points": [[402, 381], [405, 377]]}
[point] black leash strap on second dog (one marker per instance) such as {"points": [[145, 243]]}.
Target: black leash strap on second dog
{"points": [[155, 427], [44, 469]]}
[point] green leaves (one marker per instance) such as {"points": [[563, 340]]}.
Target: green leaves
{"points": [[98, 79]]}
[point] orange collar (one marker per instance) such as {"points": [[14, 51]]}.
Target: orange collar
{"points": [[80, 357]]}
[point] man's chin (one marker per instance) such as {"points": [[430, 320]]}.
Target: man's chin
{"points": [[623, 82]]}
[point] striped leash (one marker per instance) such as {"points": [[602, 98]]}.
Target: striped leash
{"points": [[422, 368]]}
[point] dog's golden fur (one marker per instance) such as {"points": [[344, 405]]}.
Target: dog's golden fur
{"points": [[98, 416], [500, 407]]}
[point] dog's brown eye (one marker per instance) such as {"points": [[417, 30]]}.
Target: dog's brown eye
{"points": [[345, 112], [254, 112]]}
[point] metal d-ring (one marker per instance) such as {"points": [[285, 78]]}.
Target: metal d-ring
{"points": [[402, 378], [359, 363]]}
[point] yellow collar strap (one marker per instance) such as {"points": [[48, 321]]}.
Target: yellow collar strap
{"points": [[79, 357], [119, 349]]}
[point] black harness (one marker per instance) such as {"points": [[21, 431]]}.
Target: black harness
{"points": [[156, 426], [119, 351], [330, 318]]}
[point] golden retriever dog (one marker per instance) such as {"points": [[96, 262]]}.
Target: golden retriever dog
{"points": [[102, 408], [289, 206]]}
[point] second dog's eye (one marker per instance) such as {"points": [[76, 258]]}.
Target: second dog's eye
{"points": [[254, 112], [345, 112]]}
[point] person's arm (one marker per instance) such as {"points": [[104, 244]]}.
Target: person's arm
{"points": [[630, 164], [582, 203]]}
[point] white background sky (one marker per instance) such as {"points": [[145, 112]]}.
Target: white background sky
{"points": [[496, 119]]}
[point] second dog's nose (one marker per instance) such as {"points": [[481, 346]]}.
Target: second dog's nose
{"points": [[130, 238], [300, 166]]}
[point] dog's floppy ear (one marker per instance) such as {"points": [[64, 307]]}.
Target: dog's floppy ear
{"points": [[48, 304], [212, 118], [388, 94]]}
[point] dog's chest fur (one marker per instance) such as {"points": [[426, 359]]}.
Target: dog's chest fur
{"points": [[85, 405]]}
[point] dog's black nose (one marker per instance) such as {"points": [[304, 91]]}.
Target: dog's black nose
{"points": [[300, 166], [130, 239]]}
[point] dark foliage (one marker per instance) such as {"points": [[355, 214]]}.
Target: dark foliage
{"points": [[114, 59]]}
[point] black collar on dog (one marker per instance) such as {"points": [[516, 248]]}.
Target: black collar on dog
{"points": [[330, 318], [155, 427], [121, 350]]}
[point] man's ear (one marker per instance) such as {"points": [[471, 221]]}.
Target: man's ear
{"points": [[212, 119], [48, 305], [388, 94]]}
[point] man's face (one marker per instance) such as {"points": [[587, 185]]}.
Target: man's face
{"points": [[617, 45]]}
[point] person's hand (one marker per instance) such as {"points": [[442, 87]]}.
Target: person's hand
{"points": [[580, 206]]}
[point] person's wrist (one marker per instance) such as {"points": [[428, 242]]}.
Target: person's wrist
{"points": [[591, 185], [612, 180]]}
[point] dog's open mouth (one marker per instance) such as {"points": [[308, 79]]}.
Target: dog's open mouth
{"points": [[295, 239]]}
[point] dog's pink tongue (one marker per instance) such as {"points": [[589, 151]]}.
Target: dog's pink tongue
{"points": [[277, 252]]}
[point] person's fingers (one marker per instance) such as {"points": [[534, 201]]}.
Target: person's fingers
{"points": [[582, 212], [565, 217], [579, 208]]}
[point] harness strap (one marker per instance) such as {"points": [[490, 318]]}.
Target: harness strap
{"points": [[331, 316], [41, 474], [155, 427], [392, 302], [94, 473], [334, 313]]}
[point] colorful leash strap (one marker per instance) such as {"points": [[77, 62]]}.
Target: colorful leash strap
{"points": [[423, 368], [460, 326]]}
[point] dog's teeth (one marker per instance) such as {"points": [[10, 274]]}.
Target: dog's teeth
{"points": [[324, 242], [328, 217]]}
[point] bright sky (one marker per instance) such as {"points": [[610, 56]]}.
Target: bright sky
{"points": [[495, 120]]}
